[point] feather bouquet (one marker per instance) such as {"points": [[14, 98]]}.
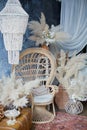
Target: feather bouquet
{"points": [[43, 34], [39, 30], [70, 76], [13, 92]]}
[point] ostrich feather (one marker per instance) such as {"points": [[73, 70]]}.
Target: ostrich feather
{"points": [[14, 91], [76, 59], [28, 86], [61, 36], [56, 28], [79, 88]]}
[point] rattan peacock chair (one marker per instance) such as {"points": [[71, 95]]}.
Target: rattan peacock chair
{"points": [[39, 63]]}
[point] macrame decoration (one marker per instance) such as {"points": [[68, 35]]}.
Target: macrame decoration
{"points": [[13, 26]]}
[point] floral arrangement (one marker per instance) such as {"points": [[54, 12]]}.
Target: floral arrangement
{"points": [[70, 76], [13, 92], [43, 34]]}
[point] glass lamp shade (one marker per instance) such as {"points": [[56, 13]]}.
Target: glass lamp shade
{"points": [[13, 26]]}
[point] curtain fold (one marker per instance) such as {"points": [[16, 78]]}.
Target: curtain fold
{"points": [[74, 22]]}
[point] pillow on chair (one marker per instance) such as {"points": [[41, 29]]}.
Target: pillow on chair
{"points": [[41, 94], [41, 90]]}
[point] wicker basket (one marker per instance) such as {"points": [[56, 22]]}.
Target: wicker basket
{"points": [[61, 98]]}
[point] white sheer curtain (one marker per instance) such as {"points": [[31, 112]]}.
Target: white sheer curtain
{"points": [[74, 22]]}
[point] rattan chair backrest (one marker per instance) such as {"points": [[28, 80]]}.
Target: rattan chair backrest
{"points": [[36, 63]]}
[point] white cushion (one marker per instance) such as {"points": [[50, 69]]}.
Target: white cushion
{"points": [[43, 98], [41, 90]]}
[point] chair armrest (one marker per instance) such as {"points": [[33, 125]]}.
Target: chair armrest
{"points": [[53, 89]]}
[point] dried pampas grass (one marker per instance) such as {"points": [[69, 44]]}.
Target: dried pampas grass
{"points": [[37, 29], [68, 74], [42, 34]]}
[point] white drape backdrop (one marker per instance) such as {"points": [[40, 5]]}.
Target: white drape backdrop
{"points": [[74, 22]]}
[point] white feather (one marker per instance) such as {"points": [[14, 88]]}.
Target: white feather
{"points": [[12, 91]]}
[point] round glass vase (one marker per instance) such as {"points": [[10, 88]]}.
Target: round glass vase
{"points": [[11, 115]]}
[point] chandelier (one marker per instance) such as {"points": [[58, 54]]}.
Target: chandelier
{"points": [[13, 26]]}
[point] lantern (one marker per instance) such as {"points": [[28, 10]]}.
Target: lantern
{"points": [[13, 26]]}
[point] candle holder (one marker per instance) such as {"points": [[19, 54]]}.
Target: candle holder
{"points": [[12, 115]]}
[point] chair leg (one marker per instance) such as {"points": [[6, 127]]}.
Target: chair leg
{"points": [[53, 109]]}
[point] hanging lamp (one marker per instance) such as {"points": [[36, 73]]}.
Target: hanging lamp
{"points": [[13, 26]]}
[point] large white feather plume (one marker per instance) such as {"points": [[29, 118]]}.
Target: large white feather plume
{"points": [[12, 91]]}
